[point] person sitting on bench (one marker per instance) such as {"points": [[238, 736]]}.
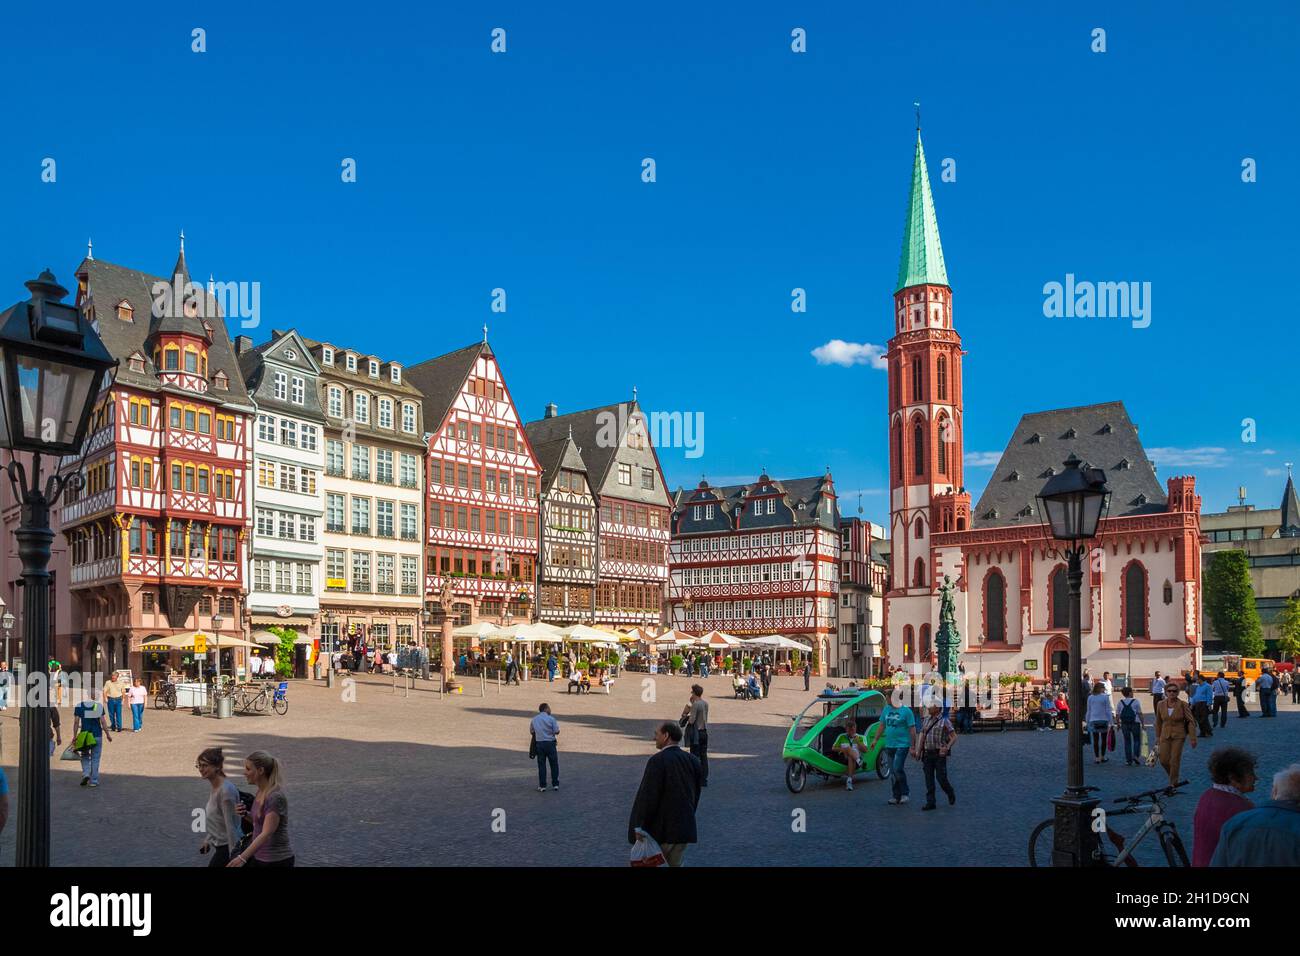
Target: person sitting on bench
{"points": [[579, 680]]}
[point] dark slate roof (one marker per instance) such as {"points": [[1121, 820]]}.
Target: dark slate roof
{"points": [[802, 505], [586, 426], [554, 455], [1290, 524], [1101, 435], [252, 364], [109, 284], [441, 379]]}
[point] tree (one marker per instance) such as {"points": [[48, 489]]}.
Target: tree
{"points": [[1230, 604], [1288, 625], [284, 651]]}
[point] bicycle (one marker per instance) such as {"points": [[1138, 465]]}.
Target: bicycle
{"points": [[1149, 802], [165, 697], [248, 701]]}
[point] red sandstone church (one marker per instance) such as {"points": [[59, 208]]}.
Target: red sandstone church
{"points": [[1144, 576]]}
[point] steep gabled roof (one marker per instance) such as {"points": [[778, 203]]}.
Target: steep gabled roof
{"points": [[1290, 524], [554, 455], [921, 261], [586, 426], [803, 496], [1041, 444], [110, 284], [441, 379]]}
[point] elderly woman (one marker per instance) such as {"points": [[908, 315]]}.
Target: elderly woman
{"points": [[1232, 772]]}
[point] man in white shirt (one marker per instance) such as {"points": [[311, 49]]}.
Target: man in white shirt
{"points": [[1157, 689], [1106, 682], [545, 729]]}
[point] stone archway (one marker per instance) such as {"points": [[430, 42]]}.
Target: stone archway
{"points": [[1056, 658]]}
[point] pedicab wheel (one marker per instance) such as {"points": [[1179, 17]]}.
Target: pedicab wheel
{"points": [[796, 776], [883, 767], [281, 705]]}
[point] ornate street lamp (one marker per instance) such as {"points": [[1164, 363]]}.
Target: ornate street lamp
{"points": [[52, 365], [327, 633], [1128, 678], [7, 622], [1073, 503]]}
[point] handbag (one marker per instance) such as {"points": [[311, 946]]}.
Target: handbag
{"points": [[69, 754], [1110, 738]]}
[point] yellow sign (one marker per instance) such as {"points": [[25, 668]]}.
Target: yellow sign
{"points": [[200, 643], [339, 583]]}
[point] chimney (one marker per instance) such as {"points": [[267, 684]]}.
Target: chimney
{"points": [[552, 410], [242, 344]]}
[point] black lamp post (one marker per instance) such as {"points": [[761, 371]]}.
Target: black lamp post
{"points": [[1072, 504], [327, 644], [426, 619], [52, 365]]}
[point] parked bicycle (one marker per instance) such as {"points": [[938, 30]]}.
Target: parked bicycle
{"points": [[165, 696], [1121, 852], [255, 699]]}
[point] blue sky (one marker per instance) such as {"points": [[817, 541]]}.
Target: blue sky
{"points": [[775, 170]]}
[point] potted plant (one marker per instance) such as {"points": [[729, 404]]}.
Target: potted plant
{"points": [[676, 663], [795, 660]]}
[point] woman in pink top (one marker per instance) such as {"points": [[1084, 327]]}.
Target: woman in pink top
{"points": [[1232, 771]]}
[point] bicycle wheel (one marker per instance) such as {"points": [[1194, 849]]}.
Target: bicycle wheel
{"points": [[159, 701], [1172, 844], [281, 705], [171, 700], [1041, 843]]}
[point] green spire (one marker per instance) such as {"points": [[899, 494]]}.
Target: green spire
{"points": [[921, 261]]}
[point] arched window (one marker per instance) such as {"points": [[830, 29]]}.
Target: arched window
{"points": [[961, 524], [1135, 600], [995, 607], [925, 642], [898, 383], [941, 449], [918, 573], [1060, 585], [1169, 593], [916, 379], [918, 447], [909, 649], [941, 377], [898, 452], [171, 358], [918, 529]]}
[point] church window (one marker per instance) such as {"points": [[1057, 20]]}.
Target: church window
{"points": [[918, 447], [1060, 586], [918, 573], [925, 642], [942, 377], [1135, 600], [1168, 593], [941, 452], [995, 607], [918, 529], [908, 648], [916, 380]]}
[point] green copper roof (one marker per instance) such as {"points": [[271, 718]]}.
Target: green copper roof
{"points": [[921, 261]]}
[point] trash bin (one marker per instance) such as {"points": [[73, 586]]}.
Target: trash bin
{"points": [[225, 706]]}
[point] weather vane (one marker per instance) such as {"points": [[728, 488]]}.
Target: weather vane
{"points": [[917, 104]]}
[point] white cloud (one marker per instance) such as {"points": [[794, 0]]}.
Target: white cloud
{"points": [[1274, 472], [839, 352], [1269, 451], [1206, 457], [982, 459]]}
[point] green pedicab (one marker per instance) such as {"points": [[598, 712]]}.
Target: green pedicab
{"points": [[810, 742]]}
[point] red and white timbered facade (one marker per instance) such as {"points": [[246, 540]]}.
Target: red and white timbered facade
{"points": [[157, 538], [758, 559], [482, 488]]}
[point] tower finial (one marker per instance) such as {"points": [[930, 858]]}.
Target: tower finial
{"points": [[859, 502], [212, 283], [90, 249], [633, 394], [1288, 469], [485, 333], [182, 240], [917, 104], [570, 431]]}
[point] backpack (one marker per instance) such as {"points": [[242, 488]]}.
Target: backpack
{"points": [[1126, 713]]}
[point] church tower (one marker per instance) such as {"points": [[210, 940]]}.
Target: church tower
{"points": [[925, 429]]}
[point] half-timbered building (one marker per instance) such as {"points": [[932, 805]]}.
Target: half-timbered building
{"points": [[633, 508], [374, 468], [482, 488], [566, 567], [864, 573], [758, 559], [157, 539], [1143, 578], [288, 499]]}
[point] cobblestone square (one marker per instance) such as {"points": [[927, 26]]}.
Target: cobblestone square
{"points": [[414, 780]]}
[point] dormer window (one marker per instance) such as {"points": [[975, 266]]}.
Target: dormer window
{"points": [[991, 514], [374, 369], [1105, 429], [395, 373], [221, 381], [1034, 439], [1014, 476], [1124, 464], [352, 362], [1140, 500], [1070, 433], [1026, 512], [1048, 473], [327, 356], [125, 312], [136, 362]]}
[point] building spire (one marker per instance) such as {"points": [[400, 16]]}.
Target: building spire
{"points": [[485, 333], [921, 261], [917, 104], [90, 249], [181, 269]]}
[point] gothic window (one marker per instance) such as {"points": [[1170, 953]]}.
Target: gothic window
{"points": [[918, 573], [995, 607], [925, 642], [1060, 586], [918, 447], [898, 383], [916, 380], [1168, 593], [909, 649], [898, 452], [1135, 594], [942, 378], [918, 528], [941, 452]]}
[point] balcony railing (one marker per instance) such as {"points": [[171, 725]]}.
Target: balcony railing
{"points": [[362, 587], [359, 475], [410, 589], [336, 527], [335, 471], [383, 532], [361, 529], [409, 483], [410, 536], [384, 587]]}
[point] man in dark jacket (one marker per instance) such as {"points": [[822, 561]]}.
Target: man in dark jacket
{"points": [[669, 793]]}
